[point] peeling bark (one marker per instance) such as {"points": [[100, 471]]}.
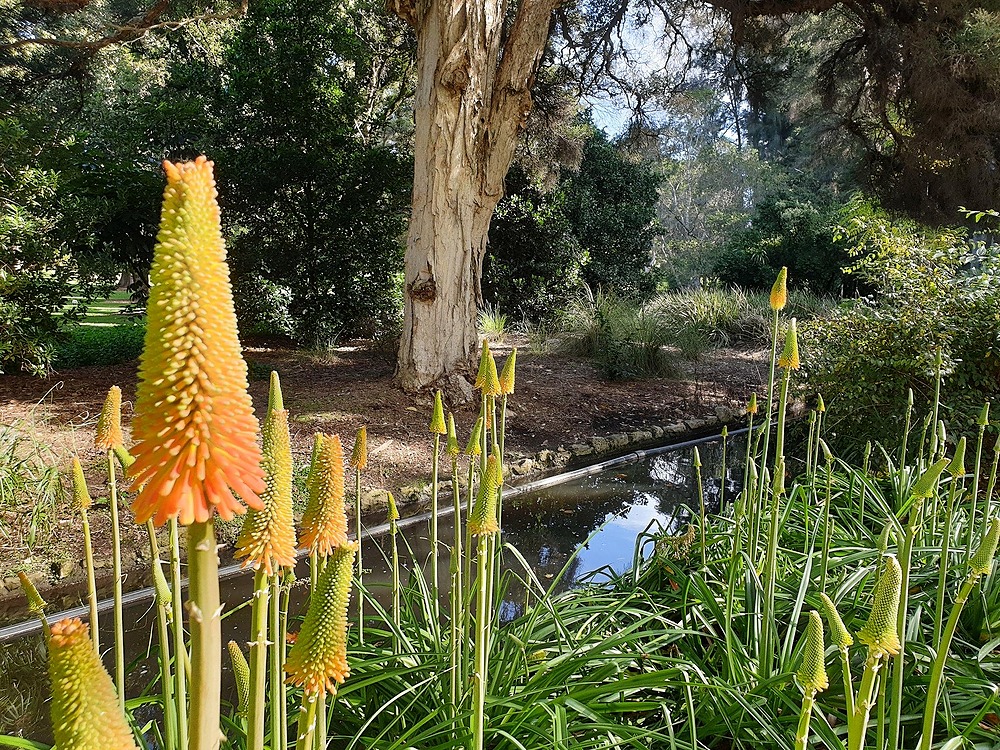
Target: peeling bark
{"points": [[473, 96]]}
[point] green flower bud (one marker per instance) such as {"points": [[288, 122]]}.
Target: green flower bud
{"points": [[982, 561], [451, 447], [879, 633], [241, 671], [779, 291], [812, 673], [840, 636], [437, 417]]}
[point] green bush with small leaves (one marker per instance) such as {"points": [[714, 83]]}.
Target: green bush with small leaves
{"points": [[934, 290]]}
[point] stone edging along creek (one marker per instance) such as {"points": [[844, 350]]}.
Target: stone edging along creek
{"points": [[65, 585]]}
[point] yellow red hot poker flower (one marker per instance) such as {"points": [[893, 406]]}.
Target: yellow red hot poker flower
{"points": [[324, 522], [109, 424], [267, 539], [84, 710], [194, 429], [318, 660]]}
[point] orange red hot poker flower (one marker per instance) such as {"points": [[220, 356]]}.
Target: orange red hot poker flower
{"points": [[194, 428]]}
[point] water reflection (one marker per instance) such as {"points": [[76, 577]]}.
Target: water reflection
{"points": [[598, 517]]}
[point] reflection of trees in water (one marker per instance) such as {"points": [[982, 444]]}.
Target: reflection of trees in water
{"points": [[548, 527], [671, 477]]}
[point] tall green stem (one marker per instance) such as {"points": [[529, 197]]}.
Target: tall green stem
{"points": [[857, 725], [163, 614], [88, 552], [770, 392], [276, 683], [905, 558], [970, 535], [943, 563], [827, 529], [307, 722], [286, 596], [805, 715], [258, 660], [206, 636], [361, 567], [180, 650], [116, 547], [434, 521], [768, 641], [457, 594], [484, 575], [703, 520], [393, 529], [166, 678]]}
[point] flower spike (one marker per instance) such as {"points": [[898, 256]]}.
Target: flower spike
{"points": [[487, 379], [438, 426], [109, 424], [84, 710], [318, 660], [451, 447], [194, 427], [324, 522], [473, 447], [483, 519], [779, 292], [81, 495], [789, 358], [982, 561], [879, 633], [840, 636], [359, 456], [241, 671], [507, 375], [812, 673], [268, 535]]}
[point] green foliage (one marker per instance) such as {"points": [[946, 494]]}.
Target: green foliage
{"points": [[534, 262], [786, 230], [596, 225], [611, 204], [704, 319], [313, 207], [38, 274], [932, 290], [29, 486], [629, 339], [626, 339], [84, 346], [492, 324]]}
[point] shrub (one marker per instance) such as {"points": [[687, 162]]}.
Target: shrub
{"points": [[703, 319], [786, 230], [262, 306], [533, 263], [83, 346], [626, 339], [933, 291], [39, 278]]}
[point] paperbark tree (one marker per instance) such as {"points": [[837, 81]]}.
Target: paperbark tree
{"points": [[476, 62]]}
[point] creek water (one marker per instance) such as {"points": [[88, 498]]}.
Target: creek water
{"points": [[589, 523]]}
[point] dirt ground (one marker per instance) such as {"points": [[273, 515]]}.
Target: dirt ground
{"points": [[558, 401]]}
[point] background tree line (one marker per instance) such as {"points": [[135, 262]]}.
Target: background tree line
{"points": [[748, 136]]}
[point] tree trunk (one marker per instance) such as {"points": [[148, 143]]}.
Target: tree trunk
{"points": [[473, 96]]}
